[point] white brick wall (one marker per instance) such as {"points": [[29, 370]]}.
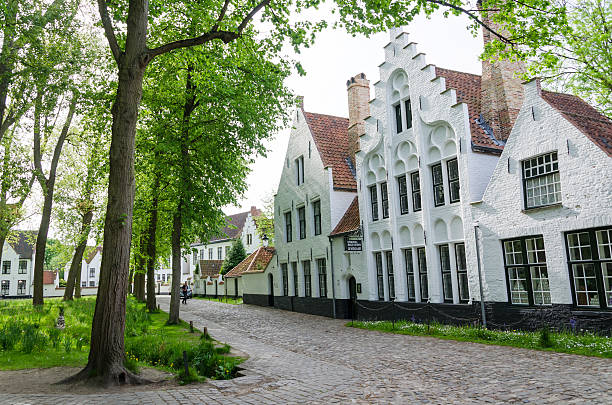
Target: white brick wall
{"points": [[586, 195]]}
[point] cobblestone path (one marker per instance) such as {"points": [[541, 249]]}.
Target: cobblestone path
{"points": [[298, 358]]}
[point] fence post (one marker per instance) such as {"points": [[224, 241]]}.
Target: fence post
{"points": [[185, 363], [191, 326]]}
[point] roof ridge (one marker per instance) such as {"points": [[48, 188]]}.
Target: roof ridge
{"points": [[458, 71], [326, 115]]}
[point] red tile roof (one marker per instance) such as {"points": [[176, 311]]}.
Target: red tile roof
{"points": [[210, 268], [330, 134], [48, 277], [91, 253], [467, 88], [596, 126], [349, 221], [256, 262]]}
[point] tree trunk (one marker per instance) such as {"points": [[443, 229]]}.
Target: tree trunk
{"points": [[3, 236], [77, 285], [48, 186], [107, 348], [175, 302], [77, 259], [152, 250], [139, 273], [131, 281], [41, 244]]}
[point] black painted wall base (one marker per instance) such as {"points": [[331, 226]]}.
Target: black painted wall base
{"points": [[500, 315]]}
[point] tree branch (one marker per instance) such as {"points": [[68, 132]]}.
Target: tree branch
{"points": [[60, 142], [221, 15], [108, 30], [225, 36], [473, 17]]}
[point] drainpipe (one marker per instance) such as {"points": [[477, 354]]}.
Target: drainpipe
{"points": [[482, 305], [331, 254]]}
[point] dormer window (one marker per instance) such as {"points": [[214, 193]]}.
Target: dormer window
{"points": [[541, 181], [408, 109], [299, 170], [398, 117]]}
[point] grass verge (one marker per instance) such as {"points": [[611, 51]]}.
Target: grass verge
{"points": [[223, 299], [587, 344], [29, 339]]}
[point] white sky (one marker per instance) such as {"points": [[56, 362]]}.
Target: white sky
{"points": [[337, 56]]}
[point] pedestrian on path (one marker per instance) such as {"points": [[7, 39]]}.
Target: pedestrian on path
{"points": [[184, 288]]}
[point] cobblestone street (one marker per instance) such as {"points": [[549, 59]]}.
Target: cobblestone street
{"points": [[297, 358]]}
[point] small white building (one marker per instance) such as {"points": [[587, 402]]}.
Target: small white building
{"points": [[16, 275], [90, 267]]}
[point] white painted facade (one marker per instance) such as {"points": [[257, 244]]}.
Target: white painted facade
{"points": [[90, 271], [250, 237], [17, 270], [317, 187], [585, 172], [439, 134]]}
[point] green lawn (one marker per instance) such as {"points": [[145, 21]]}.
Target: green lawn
{"points": [[587, 344], [29, 339], [223, 299]]}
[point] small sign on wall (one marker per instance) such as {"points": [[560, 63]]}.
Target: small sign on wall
{"points": [[358, 288], [352, 245]]}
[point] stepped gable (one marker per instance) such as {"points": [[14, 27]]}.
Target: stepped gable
{"points": [[23, 243], [330, 134], [350, 220], [210, 268], [596, 126], [467, 88]]}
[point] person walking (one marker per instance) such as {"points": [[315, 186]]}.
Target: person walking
{"points": [[184, 289]]}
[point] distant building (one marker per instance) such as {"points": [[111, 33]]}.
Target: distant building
{"points": [[16, 275]]}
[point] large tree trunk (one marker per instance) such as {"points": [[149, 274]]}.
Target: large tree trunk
{"points": [[107, 349], [77, 259], [131, 281], [175, 302], [152, 250]]}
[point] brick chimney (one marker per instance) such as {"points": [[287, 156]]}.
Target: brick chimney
{"points": [[358, 89], [501, 90]]}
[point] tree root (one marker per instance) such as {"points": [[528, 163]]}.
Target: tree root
{"points": [[117, 375]]}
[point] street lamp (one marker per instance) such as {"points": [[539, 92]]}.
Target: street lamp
{"points": [[265, 240]]}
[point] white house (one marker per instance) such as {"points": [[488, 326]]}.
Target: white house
{"points": [[209, 257], [316, 188], [16, 275], [547, 244], [90, 267]]}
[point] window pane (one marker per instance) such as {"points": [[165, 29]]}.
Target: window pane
{"points": [[398, 118], [374, 202], [403, 194], [585, 284], [307, 279], [542, 180], [408, 109], [423, 274], [517, 276], [409, 273], [384, 195], [604, 243], [322, 268], [464, 291], [513, 252], [294, 270], [540, 285], [607, 278], [390, 275], [579, 246], [535, 250], [379, 275]]}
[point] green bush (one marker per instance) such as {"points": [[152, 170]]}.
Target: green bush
{"points": [[67, 343], [10, 334], [54, 336], [131, 364], [545, 338], [33, 338]]}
